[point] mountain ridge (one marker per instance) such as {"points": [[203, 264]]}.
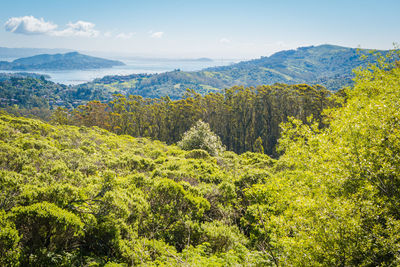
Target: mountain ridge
{"points": [[66, 61]]}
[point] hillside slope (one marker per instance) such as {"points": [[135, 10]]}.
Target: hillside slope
{"points": [[84, 195], [29, 91], [328, 65], [303, 65]]}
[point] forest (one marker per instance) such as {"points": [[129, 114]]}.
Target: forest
{"points": [[240, 116], [273, 175]]}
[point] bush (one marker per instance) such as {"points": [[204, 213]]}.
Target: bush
{"points": [[222, 237], [9, 238], [45, 229], [201, 137], [197, 154]]}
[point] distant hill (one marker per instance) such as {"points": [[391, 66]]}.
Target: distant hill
{"points": [[328, 65], [203, 59], [303, 65], [67, 61]]}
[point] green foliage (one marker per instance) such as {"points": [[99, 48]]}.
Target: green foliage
{"points": [[46, 227], [80, 196], [258, 147], [75, 196], [221, 237], [9, 239], [331, 198], [201, 137], [246, 119], [197, 154], [36, 96]]}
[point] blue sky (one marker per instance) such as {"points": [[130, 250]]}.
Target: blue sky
{"points": [[218, 28]]}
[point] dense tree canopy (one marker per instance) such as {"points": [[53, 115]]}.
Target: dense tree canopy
{"points": [[240, 116]]}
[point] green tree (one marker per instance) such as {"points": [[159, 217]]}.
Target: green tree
{"points": [[201, 137], [333, 198], [258, 147]]}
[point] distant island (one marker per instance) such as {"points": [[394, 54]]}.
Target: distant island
{"points": [[202, 59], [67, 61]]}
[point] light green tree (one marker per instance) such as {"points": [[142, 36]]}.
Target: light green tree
{"points": [[201, 137]]}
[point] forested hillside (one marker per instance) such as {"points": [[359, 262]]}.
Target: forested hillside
{"points": [[246, 119], [327, 65], [73, 196], [32, 94], [79, 196], [239, 115], [7, 76], [322, 65]]}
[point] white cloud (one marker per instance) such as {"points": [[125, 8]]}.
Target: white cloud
{"points": [[224, 41], [79, 28], [29, 25], [157, 35], [125, 36]]}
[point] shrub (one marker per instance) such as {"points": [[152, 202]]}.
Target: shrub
{"points": [[46, 228], [9, 238], [197, 154], [201, 137]]}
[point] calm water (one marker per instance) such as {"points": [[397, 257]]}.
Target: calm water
{"points": [[133, 66]]}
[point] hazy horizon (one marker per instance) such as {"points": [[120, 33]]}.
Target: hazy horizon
{"points": [[133, 56], [116, 54]]}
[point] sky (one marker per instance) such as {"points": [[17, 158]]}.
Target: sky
{"points": [[203, 28]]}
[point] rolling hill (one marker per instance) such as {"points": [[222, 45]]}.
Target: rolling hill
{"points": [[67, 61], [328, 65]]}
